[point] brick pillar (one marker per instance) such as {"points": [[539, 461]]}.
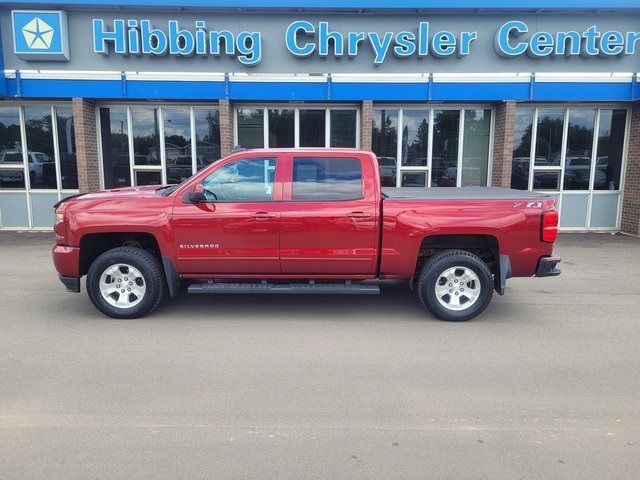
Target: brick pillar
{"points": [[630, 221], [84, 120], [504, 126], [366, 124], [226, 127]]}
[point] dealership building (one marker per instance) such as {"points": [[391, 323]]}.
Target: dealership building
{"points": [[533, 95]]}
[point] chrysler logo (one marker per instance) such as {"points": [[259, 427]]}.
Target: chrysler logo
{"points": [[38, 34]]}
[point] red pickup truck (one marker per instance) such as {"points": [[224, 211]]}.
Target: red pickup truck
{"points": [[301, 221]]}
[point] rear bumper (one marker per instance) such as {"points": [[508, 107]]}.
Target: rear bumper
{"points": [[72, 284], [547, 267]]}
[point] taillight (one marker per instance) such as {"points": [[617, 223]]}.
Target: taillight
{"points": [[549, 226]]}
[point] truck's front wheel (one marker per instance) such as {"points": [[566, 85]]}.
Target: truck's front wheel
{"points": [[125, 282], [455, 285]]}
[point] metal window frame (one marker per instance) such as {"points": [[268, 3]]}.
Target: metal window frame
{"points": [[430, 108], [27, 190], [591, 192], [327, 107], [128, 107]]}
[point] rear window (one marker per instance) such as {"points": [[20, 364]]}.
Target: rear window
{"points": [[316, 179]]}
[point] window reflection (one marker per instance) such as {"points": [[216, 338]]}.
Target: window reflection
{"points": [[67, 148], [577, 163], [281, 128], [384, 140], [610, 148], [177, 143], [244, 180], [415, 138], [414, 179], [446, 130], [343, 128], [148, 178], [10, 149], [312, 128], [115, 147], [546, 180], [250, 123], [40, 154], [521, 149], [475, 150], [146, 137], [207, 136], [549, 137], [317, 179]]}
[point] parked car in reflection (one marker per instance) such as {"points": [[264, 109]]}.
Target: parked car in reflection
{"points": [[181, 169], [577, 172], [42, 168]]}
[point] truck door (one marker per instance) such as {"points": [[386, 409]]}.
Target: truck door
{"points": [[329, 215], [237, 230]]}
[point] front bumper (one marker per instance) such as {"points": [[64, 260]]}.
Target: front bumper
{"points": [[67, 262], [547, 267]]}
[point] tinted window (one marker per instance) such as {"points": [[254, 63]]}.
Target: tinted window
{"points": [[343, 128], [312, 128], [67, 147], [549, 137], [146, 136], [327, 179], [446, 131], [522, 149], [610, 148], [39, 129], [577, 165], [281, 128], [115, 147], [245, 180], [384, 143], [250, 127], [207, 136]]}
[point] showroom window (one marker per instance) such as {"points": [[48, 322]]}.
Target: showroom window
{"points": [[438, 147], [288, 127], [37, 163], [578, 157], [150, 145]]}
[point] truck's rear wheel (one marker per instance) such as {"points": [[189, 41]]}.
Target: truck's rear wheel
{"points": [[455, 285], [125, 282]]}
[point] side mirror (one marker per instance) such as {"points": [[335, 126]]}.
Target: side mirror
{"points": [[197, 195]]}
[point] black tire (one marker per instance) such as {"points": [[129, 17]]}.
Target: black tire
{"points": [[431, 273], [153, 278]]}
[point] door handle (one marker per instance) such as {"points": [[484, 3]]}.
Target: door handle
{"points": [[263, 215], [358, 214]]}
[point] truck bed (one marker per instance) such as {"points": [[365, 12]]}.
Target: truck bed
{"points": [[459, 193]]}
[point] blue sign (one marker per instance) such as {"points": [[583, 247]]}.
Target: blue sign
{"points": [[40, 35]]}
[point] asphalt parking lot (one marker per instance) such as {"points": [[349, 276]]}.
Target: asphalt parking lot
{"points": [[545, 384]]}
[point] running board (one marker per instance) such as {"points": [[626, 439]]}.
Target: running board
{"points": [[346, 288]]}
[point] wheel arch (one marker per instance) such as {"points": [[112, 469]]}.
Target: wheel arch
{"points": [[484, 246], [93, 245]]}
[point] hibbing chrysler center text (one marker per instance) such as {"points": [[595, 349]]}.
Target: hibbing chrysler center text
{"points": [[295, 221]]}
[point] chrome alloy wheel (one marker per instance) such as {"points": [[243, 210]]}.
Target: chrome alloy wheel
{"points": [[122, 285], [457, 288]]}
